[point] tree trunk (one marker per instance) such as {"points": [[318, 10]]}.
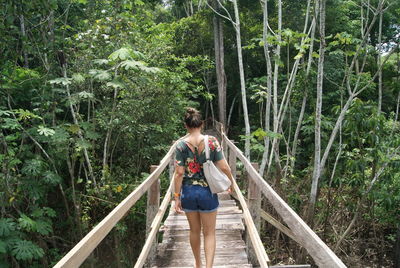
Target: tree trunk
{"points": [[219, 64], [75, 119], [317, 153], [108, 135], [242, 81], [275, 83], [269, 86], [23, 34], [379, 59], [297, 132]]}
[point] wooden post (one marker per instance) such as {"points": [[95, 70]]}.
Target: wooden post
{"points": [[254, 204], [153, 203], [232, 162], [172, 170]]}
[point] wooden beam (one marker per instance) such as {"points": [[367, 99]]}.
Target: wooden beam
{"points": [[292, 266], [77, 255], [153, 203], [271, 220], [318, 250], [254, 203], [232, 162]]}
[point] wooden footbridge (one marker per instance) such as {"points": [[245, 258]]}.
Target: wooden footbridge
{"points": [[232, 222]]}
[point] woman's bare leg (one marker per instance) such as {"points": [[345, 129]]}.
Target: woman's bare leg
{"points": [[208, 220], [195, 228]]}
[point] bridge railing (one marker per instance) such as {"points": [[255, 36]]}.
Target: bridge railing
{"points": [[298, 230], [80, 252]]}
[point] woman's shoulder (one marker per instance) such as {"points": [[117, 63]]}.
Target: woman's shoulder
{"points": [[214, 144], [181, 145], [212, 138]]}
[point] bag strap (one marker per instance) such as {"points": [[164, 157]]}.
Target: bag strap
{"points": [[206, 147]]}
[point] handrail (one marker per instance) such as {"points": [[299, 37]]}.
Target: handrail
{"points": [[319, 251], [78, 254]]}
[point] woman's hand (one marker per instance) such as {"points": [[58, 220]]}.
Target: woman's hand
{"points": [[178, 206], [231, 189]]}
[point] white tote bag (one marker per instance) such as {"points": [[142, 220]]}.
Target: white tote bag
{"points": [[216, 179]]}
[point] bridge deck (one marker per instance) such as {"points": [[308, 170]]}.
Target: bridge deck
{"points": [[175, 250]]}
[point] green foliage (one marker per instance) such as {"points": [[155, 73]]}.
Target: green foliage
{"points": [[26, 250]]}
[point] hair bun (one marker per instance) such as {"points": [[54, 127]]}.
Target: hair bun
{"points": [[193, 118], [191, 111]]}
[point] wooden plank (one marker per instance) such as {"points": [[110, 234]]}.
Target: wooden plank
{"points": [[232, 162], [318, 250], [254, 203], [76, 256], [292, 266], [187, 259], [214, 266], [277, 224], [153, 203]]}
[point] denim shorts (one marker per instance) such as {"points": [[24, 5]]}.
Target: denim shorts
{"points": [[198, 198]]}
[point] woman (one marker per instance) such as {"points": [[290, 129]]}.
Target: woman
{"points": [[192, 194]]}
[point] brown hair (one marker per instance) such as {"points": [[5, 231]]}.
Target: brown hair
{"points": [[193, 118]]}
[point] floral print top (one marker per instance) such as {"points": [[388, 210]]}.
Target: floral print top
{"points": [[193, 161]]}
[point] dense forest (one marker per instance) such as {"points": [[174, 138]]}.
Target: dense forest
{"points": [[92, 92]]}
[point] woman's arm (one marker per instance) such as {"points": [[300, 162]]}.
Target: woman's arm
{"points": [[179, 172]]}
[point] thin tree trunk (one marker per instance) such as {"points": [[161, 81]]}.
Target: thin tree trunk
{"points": [[297, 132], [397, 107], [275, 83], [242, 79], [379, 62], [320, 78], [75, 119], [230, 112], [269, 86], [23, 34], [219, 62], [397, 79], [108, 135]]}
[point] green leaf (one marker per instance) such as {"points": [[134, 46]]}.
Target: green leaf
{"points": [[32, 167], [259, 134], [298, 56], [315, 55], [10, 123], [61, 81], [43, 227], [85, 95], [133, 64], [78, 78], [116, 84], [45, 131], [25, 115], [26, 223], [50, 212], [24, 250], [122, 54], [52, 178], [100, 74], [3, 247], [7, 226], [101, 61]]}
